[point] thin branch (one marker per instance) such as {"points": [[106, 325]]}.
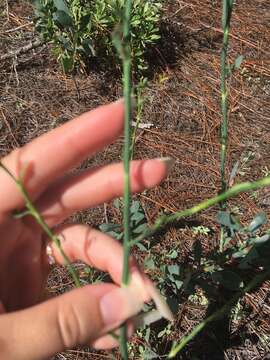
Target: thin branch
{"points": [[232, 192], [226, 19], [219, 314], [17, 28], [22, 50], [122, 44]]}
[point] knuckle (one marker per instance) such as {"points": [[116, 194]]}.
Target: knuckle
{"points": [[88, 242], [68, 325]]}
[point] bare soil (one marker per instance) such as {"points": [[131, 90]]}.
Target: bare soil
{"points": [[183, 103]]}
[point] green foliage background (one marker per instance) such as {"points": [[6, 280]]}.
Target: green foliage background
{"points": [[80, 30]]}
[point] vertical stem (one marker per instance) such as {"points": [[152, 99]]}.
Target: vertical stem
{"points": [[226, 18], [127, 96]]}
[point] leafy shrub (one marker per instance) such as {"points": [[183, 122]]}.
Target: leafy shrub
{"points": [[80, 29]]}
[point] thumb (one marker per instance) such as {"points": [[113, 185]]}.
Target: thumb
{"points": [[78, 317]]}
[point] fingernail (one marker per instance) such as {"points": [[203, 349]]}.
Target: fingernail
{"points": [[168, 161], [159, 301], [147, 290], [146, 318], [119, 305]]}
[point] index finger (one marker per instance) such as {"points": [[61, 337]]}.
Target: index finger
{"points": [[52, 154]]}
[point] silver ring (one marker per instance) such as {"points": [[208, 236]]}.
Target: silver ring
{"points": [[49, 253]]}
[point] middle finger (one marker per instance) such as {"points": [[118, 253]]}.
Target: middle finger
{"points": [[95, 186]]}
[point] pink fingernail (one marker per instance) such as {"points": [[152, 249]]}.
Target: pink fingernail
{"points": [[168, 161]]}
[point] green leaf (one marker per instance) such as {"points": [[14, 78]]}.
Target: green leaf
{"points": [[135, 206], [155, 37], [137, 217], [173, 269], [65, 42], [229, 221], [87, 45], [61, 6], [240, 254], [140, 229], [238, 61], [19, 215], [172, 254], [260, 240], [259, 220], [38, 4], [117, 203], [109, 228], [149, 354], [149, 263], [63, 19], [141, 247], [67, 63], [229, 279]]}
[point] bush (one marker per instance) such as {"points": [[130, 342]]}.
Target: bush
{"points": [[80, 30]]}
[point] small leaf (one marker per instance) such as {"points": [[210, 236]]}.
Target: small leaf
{"points": [[19, 215], [106, 228], [178, 284], [259, 220], [135, 207], [238, 61], [260, 240], [63, 19], [173, 254], [149, 354], [61, 6], [137, 216], [239, 254], [141, 247], [228, 220], [173, 269], [149, 263], [38, 5], [117, 204], [67, 63], [140, 229]]}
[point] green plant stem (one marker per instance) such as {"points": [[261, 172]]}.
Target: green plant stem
{"points": [[232, 192], [126, 58], [39, 219], [256, 281], [226, 18], [127, 197]]}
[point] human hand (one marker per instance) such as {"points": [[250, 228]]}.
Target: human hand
{"points": [[31, 329]]}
